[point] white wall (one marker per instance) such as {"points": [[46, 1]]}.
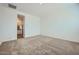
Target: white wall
{"points": [[8, 26], [33, 23], [63, 23]]}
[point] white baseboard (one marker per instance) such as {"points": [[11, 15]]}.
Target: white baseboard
{"points": [[59, 37], [4, 40], [0, 43], [32, 36]]}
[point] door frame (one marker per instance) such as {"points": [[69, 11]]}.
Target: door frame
{"points": [[23, 30]]}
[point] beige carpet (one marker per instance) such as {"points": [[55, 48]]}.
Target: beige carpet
{"points": [[39, 45]]}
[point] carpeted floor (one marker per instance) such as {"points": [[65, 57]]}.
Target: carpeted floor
{"points": [[39, 45]]}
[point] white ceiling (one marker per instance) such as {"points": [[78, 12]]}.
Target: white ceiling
{"points": [[38, 9], [41, 10]]}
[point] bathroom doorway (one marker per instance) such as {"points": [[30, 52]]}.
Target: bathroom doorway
{"points": [[20, 26]]}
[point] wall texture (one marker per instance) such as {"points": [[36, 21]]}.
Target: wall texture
{"points": [[63, 23], [32, 26], [8, 25]]}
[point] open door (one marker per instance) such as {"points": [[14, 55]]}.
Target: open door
{"points": [[20, 26]]}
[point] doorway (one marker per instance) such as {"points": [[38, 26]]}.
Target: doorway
{"points": [[20, 26]]}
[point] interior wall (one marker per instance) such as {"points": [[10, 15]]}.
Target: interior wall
{"points": [[33, 25], [8, 26], [63, 23]]}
